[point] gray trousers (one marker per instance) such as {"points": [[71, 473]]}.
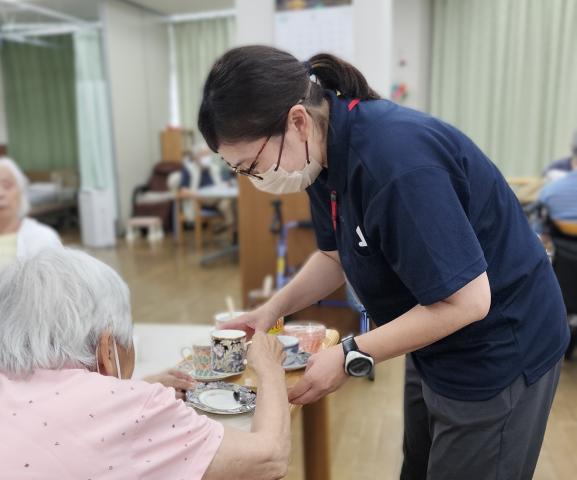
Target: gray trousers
{"points": [[496, 439]]}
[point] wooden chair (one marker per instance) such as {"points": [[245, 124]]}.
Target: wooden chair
{"points": [[155, 199], [567, 228], [205, 220]]}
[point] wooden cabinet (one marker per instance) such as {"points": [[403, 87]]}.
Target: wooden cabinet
{"points": [[258, 248], [173, 143]]}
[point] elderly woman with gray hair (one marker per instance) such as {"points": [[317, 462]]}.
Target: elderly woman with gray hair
{"points": [[69, 410], [20, 236]]}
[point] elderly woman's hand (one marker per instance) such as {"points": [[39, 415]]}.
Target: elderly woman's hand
{"points": [[265, 353], [180, 381]]}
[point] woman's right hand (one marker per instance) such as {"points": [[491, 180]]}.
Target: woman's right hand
{"points": [[259, 320], [264, 353]]}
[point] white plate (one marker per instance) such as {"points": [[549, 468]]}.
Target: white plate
{"points": [[299, 361], [219, 398]]}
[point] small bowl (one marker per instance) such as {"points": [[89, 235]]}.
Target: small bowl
{"points": [[290, 344], [221, 318]]}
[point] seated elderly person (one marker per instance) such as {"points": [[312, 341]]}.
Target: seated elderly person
{"points": [[559, 168], [560, 198], [200, 171], [69, 410], [20, 236]]}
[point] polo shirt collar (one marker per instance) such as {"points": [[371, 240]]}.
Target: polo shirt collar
{"points": [[338, 138]]}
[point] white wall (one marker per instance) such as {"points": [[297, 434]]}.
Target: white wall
{"points": [[255, 22], [3, 133], [411, 50], [137, 61], [372, 27], [371, 24]]}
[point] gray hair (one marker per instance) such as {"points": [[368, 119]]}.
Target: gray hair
{"points": [[21, 182], [54, 307]]}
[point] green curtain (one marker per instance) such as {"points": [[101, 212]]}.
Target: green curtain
{"points": [[197, 45], [505, 72], [40, 103]]}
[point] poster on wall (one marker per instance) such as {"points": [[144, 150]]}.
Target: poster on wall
{"points": [[282, 5], [307, 27]]}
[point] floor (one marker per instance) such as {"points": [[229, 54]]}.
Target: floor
{"points": [[167, 285]]}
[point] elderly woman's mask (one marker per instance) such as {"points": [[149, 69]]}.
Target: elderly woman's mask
{"points": [[118, 371]]}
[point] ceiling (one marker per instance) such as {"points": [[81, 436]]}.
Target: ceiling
{"points": [[20, 19], [179, 7], [48, 11], [39, 11]]}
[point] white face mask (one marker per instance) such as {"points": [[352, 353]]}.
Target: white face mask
{"points": [[281, 181], [118, 372]]}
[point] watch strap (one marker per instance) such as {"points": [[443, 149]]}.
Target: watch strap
{"points": [[349, 345]]}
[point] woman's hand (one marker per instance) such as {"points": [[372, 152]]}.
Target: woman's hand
{"points": [[325, 373], [180, 381], [259, 320], [265, 353]]}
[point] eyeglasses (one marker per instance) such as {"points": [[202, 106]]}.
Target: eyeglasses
{"points": [[249, 172]]}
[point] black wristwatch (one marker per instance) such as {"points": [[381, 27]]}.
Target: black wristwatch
{"points": [[357, 363]]}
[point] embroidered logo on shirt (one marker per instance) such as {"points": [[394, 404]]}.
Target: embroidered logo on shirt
{"points": [[363, 242]]}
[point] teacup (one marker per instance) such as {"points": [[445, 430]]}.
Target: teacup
{"points": [[290, 347], [200, 355], [223, 317], [228, 353]]}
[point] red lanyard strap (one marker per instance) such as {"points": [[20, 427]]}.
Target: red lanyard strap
{"points": [[334, 209], [353, 103]]}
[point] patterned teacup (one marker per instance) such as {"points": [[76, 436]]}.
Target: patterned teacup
{"points": [[228, 351], [200, 355], [290, 346]]}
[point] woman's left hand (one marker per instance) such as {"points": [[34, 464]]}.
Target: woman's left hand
{"points": [[325, 373], [180, 381]]}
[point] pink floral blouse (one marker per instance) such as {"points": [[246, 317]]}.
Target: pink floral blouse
{"points": [[75, 424]]}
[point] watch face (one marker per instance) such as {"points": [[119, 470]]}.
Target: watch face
{"points": [[360, 367]]}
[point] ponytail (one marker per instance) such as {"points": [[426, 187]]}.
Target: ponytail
{"points": [[250, 90], [336, 74]]}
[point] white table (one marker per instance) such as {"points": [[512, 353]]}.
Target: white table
{"points": [[228, 190], [217, 192], [158, 348]]}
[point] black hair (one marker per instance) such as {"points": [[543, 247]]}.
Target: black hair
{"points": [[250, 90]]}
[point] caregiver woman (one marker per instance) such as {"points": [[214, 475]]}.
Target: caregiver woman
{"points": [[432, 240]]}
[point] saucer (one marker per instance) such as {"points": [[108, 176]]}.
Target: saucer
{"points": [[297, 362], [222, 398], [204, 375]]}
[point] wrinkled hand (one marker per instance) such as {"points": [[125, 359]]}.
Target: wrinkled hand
{"points": [[264, 352], [325, 373], [259, 320], [180, 381]]}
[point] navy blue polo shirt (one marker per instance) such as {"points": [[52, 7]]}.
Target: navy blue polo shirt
{"points": [[421, 212]]}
